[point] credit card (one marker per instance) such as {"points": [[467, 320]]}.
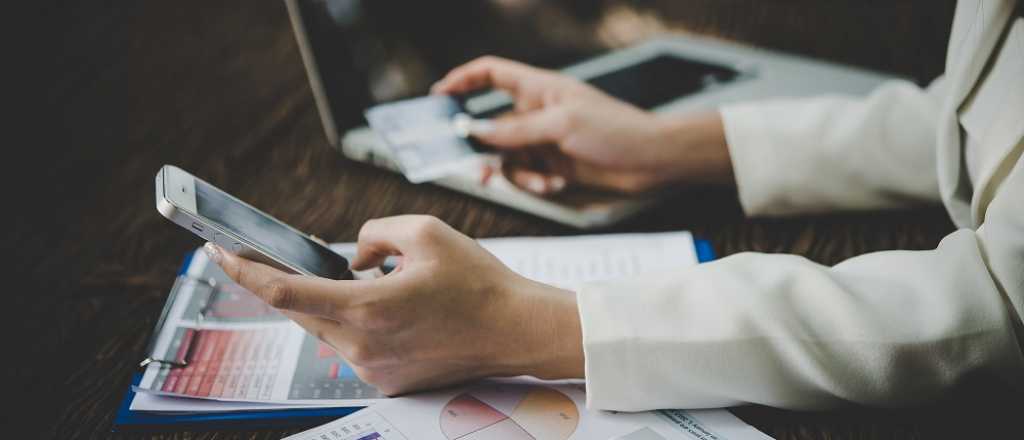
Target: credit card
{"points": [[424, 136]]}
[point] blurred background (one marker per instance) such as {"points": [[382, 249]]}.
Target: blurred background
{"points": [[109, 78], [396, 49]]}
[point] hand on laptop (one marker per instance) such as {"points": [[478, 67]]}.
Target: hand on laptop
{"points": [[450, 312], [564, 131]]}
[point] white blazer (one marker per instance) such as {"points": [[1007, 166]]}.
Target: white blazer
{"points": [[887, 328]]}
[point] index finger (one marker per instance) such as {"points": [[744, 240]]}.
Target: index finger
{"points": [[487, 71], [411, 236], [299, 293]]}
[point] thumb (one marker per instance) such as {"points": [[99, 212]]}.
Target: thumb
{"points": [[516, 130]]}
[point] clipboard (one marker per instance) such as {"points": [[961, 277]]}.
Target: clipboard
{"points": [[127, 420]]}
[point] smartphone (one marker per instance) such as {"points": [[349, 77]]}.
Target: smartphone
{"points": [[239, 228]]}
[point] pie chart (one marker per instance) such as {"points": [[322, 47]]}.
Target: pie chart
{"points": [[510, 412]]}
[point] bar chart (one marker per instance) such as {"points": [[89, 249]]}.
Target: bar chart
{"points": [[322, 374]]}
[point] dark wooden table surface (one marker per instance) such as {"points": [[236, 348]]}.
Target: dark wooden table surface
{"points": [[217, 87]]}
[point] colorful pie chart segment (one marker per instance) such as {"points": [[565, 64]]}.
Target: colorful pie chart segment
{"points": [[547, 414], [510, 413]]}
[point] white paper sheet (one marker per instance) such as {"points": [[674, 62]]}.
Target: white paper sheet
{"points": [[568, 262], [523, 409]]}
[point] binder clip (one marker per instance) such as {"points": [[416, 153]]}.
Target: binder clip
{"points": [[181, 362]]}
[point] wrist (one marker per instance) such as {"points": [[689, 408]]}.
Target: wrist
{"points": [[693, 148], [546, 325]]}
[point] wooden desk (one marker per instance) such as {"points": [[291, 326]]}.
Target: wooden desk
{"points": [[218, 88]]}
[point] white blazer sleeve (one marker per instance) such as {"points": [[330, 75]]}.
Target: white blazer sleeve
{"points": [[886, 328], [836, 152]]}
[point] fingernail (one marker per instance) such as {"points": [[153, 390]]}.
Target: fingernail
{"points": [[462, 125], [481, 126], [557, 183], [485, 174], [212, 251], [535, 184]]}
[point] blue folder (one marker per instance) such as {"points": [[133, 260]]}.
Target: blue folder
{"points": [[705, 252], [128, 420]]}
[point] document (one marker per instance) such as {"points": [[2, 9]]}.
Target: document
{"points": [[225, 344], [523, 409], [233, 349], [571, 261]]}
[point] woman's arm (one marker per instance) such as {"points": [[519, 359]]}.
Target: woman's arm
{"points": [[793, 156], [884, 329]]}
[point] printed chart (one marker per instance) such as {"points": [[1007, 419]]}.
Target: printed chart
{"points": [[238, 364], [321, 374], [254, 365], [510, 412], [218, 341], [517, 409]]}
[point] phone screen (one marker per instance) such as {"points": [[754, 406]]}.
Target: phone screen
{"points": [[296, 249]]}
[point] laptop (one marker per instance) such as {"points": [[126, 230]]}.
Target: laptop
{"points": [[672, 73]]}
